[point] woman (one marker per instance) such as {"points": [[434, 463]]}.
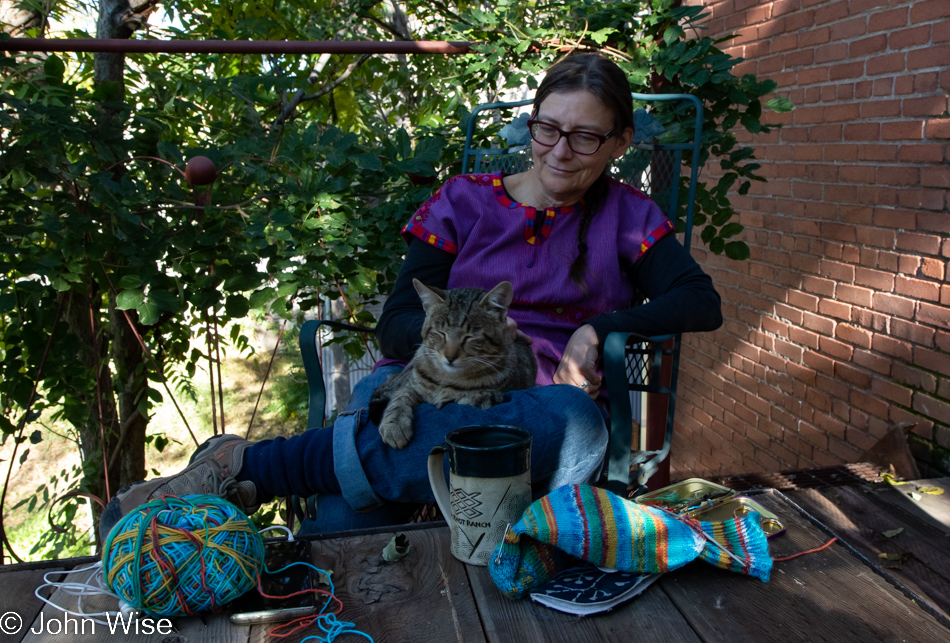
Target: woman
{"points": [[575, 245]]}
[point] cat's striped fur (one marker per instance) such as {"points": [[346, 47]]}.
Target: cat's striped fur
{"points": [[467, 356]]}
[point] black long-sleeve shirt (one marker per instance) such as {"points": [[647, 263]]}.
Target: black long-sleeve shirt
{"points": [[681, 297]]}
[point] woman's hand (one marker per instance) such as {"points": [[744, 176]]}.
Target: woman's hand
{"points": [[578, 364]]}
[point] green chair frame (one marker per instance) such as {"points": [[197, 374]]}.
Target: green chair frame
{"points": [[310, 352], [632, 364]]}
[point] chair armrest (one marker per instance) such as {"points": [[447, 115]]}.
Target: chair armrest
{"points": [[619, 384], [310, 353]]}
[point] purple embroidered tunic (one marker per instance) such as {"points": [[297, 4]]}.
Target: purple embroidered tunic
{"points": [[496, 239]]}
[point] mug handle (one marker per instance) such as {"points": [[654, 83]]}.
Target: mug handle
{"points": [[437, 482]]}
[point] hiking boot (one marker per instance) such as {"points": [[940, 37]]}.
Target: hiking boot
{"points": [[211, 470]]}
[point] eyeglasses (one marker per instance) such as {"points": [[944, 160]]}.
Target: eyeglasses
{"points": [[580, 142]]}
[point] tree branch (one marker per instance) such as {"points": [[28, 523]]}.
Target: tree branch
{"points": [[449, 12], [400, 20], [300, 96], [382, 23], [123, 434]]}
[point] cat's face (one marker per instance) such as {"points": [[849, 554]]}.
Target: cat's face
{"points": [[465, 329]]}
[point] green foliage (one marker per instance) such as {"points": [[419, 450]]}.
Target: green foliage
{"points": [[321, 160], [291, 395], [36, 537]]}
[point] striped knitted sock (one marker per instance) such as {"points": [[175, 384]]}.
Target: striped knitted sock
{"points": [[744, 538], [594, 525]]}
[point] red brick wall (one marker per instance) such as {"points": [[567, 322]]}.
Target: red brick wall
{"points": [[839, 324]]}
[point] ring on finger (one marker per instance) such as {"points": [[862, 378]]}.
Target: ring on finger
{"points": [[585, 384]]}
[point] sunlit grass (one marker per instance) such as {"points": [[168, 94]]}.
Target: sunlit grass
{"points": [[52, 460]]}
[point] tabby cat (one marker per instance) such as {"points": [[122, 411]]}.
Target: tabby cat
{"points": [[467, 356]]}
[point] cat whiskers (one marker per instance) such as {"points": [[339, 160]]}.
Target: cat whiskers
{"points": [[494, 365]]}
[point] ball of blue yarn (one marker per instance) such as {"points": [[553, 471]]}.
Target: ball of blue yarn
{"points": [[176, 556]]}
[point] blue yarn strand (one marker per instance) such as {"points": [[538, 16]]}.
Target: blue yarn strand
{"points": [[330, 625], [328, 622]]}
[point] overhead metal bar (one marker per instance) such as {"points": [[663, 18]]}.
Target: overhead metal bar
{"points": [[98, 45]]}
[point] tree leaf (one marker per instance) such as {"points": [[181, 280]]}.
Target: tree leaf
{"points": [[148, 312], [7, 302], [129, 282], [54, 68], [731, 230], [367, 161], [59, 284], [722, 217], [164, 300], [737, 250], [128, 299], [237, 306], [780, 105], [893, 532], [262, 297]]}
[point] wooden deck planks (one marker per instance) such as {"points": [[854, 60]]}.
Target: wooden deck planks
{"points": [[826, 596], [423, 597], [930, 508], [57, 629], [647, 618], [431, 597], [861, 516], [214, 628], [18, 597]]}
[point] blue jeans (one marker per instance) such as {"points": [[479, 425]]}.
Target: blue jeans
{"points": [[569, 441]]}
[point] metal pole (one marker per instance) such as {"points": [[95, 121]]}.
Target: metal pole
{"points": [[234, 46]]}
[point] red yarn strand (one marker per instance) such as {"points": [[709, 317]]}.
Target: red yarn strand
{"points": [[809, 551], [304, 621]]}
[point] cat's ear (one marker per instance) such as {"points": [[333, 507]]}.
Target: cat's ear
{"points": [[499, 297], [430, 295]]}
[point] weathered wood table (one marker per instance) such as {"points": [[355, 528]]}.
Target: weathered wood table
{"points": [[838, 594]]}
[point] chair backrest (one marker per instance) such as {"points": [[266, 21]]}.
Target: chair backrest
{"points": [[657, 169]]}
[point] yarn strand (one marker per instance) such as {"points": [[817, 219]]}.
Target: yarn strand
{"points": [[807, 551], [95, 586], [325, 619]]}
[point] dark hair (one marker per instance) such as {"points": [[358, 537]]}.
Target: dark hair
{"points": [[604, 79]]}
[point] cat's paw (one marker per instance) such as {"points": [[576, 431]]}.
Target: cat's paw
{"points": [[396, 430], [484, 403], [487, 399]]}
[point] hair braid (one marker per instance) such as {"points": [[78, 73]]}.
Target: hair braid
{"points": [[593, 200]]}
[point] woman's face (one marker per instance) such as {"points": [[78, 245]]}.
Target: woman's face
{"points": [[564, 175]]}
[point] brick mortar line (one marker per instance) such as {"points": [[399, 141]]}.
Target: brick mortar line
{"points": [[933, 22]]}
